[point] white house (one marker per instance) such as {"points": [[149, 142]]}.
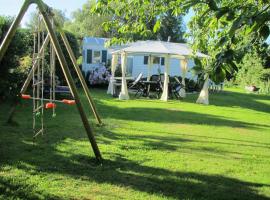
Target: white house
{"points": [[95, 54]]}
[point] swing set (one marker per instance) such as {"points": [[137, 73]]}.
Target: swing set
{"points": [[36, 74]]}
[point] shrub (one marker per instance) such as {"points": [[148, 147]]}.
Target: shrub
{"points": [[252, 72], [10, 78]]}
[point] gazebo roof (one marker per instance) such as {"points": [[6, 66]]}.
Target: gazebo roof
{"points": [[159, 48]]}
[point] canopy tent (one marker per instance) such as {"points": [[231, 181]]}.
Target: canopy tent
{"points": [[154, 49]]}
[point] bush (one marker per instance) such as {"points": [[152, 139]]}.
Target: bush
{"points": [[11, 79], [252, 72]]}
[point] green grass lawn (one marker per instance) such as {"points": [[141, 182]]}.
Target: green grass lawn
{"points": [[151, 150]]}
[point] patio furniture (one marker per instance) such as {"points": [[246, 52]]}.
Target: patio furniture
{"points": [[175, 86], [138, 85], [157, 88], [133, 84], [116, 83], [150, 86]]}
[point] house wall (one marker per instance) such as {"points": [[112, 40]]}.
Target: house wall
{"points": [[175, 69], [85, 66]]}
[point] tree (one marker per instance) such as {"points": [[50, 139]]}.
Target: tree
{"points": [[84, 23], [21, 46], [171, 26], [59, 16], [224, 29]]}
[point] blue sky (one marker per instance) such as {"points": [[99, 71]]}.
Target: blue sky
{"points": [[12, 7]]}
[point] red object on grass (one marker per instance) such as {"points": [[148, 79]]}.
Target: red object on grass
{"points": [[50, 105], [26, 96], [69, 102]]}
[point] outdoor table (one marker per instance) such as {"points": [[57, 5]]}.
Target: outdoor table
{"points": [[127, 78], [117, 85], [147, 86]]}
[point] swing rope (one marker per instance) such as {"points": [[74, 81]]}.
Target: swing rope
{"points": [[52, 77], [38, 81]]}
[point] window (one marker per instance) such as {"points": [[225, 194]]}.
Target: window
{"points": [[162, 62], [104, 56], [145, 60], [97, 57], [89, 56], [129, 66], [156, 60]]}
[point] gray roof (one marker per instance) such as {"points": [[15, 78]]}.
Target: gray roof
{"points": [[160, 47]]}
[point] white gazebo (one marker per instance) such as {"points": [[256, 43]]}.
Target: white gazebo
{"points": [[153, 49]]}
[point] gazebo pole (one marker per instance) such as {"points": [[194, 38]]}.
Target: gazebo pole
{"points": [[113, 68], [204, 94], [164, 96], [124, 91], [150, 66], [183, 67]]}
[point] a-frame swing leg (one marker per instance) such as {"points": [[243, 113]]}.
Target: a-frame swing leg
{"points": [[69, 79], [81, 78]]}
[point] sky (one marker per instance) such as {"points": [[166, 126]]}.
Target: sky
{"points": [[12, 7]]}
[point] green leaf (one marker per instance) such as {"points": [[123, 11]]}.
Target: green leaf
{"points": [[157, 26], [236, 25]]}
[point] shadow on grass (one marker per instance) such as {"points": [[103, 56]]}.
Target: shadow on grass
{"points": [[179, 185], [118, 171], [169, 142], [11, 190], [244, 100], [201, 138], [167, 116], [222, 99]]}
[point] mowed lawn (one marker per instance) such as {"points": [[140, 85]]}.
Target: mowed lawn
{"points": [[151, 150]]}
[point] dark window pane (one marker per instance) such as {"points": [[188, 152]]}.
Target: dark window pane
{"points": [[145, 60], [89, 56], [162, 61], [104, 56]]}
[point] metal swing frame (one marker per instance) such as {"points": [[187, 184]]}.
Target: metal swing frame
{"points": [[46, 13]]}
